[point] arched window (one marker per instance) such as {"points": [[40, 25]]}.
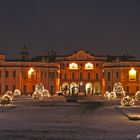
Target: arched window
{"points": [[81, 76], [88, 75], [88, 65], [73, 76], [65, 76], [73, 66]]}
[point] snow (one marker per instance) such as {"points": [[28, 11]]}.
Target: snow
{"points": [[91, 118]]}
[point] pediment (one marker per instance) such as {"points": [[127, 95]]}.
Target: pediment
{"points": [[81, 55]]}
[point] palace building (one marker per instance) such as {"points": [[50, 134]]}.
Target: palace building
{"points": [[93, 74]]}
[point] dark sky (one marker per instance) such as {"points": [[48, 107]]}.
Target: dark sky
{"points": [[100, 26]]}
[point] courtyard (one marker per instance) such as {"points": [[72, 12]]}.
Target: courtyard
{"points": [[91, 118]]}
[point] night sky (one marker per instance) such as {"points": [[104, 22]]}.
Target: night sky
{"points": [[99, 26]]}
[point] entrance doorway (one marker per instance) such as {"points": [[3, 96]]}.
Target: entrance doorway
{"points": [[73, 84], [88, 88], [97, 89]]}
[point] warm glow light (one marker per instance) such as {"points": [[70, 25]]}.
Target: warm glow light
{"points": [[88, 66], [73, 66], [132, 74], [30, 71]]}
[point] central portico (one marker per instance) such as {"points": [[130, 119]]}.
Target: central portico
{"points": [[81, 69]]}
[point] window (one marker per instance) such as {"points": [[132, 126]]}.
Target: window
{"points": [[14, 74], [6, 74], [73, 66], [117, 75], [42, 74], [132, 74], [108, 76], [31, 73], [24, 89], [13, 88], [62, 65], [45, 75], [88, 75], [97, 65], [51, 74], [108, 88], [6, 88], [67, 65], [73, 76], [81, 76], [51, 89], [127, 89], [24, 74], [97, 77], [88, 65], [65, 76]]}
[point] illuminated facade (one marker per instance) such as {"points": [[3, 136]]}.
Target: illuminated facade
{"points": [[92, 74]]}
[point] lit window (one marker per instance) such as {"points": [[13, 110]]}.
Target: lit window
{"points": [[30, 72], [132, 74], [88, 66], [73, 66]]}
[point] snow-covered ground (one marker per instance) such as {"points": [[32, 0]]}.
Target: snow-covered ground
{"points": [[55, 119]]}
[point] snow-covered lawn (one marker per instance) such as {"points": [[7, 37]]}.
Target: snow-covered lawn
{"points": [[91, 118]]}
